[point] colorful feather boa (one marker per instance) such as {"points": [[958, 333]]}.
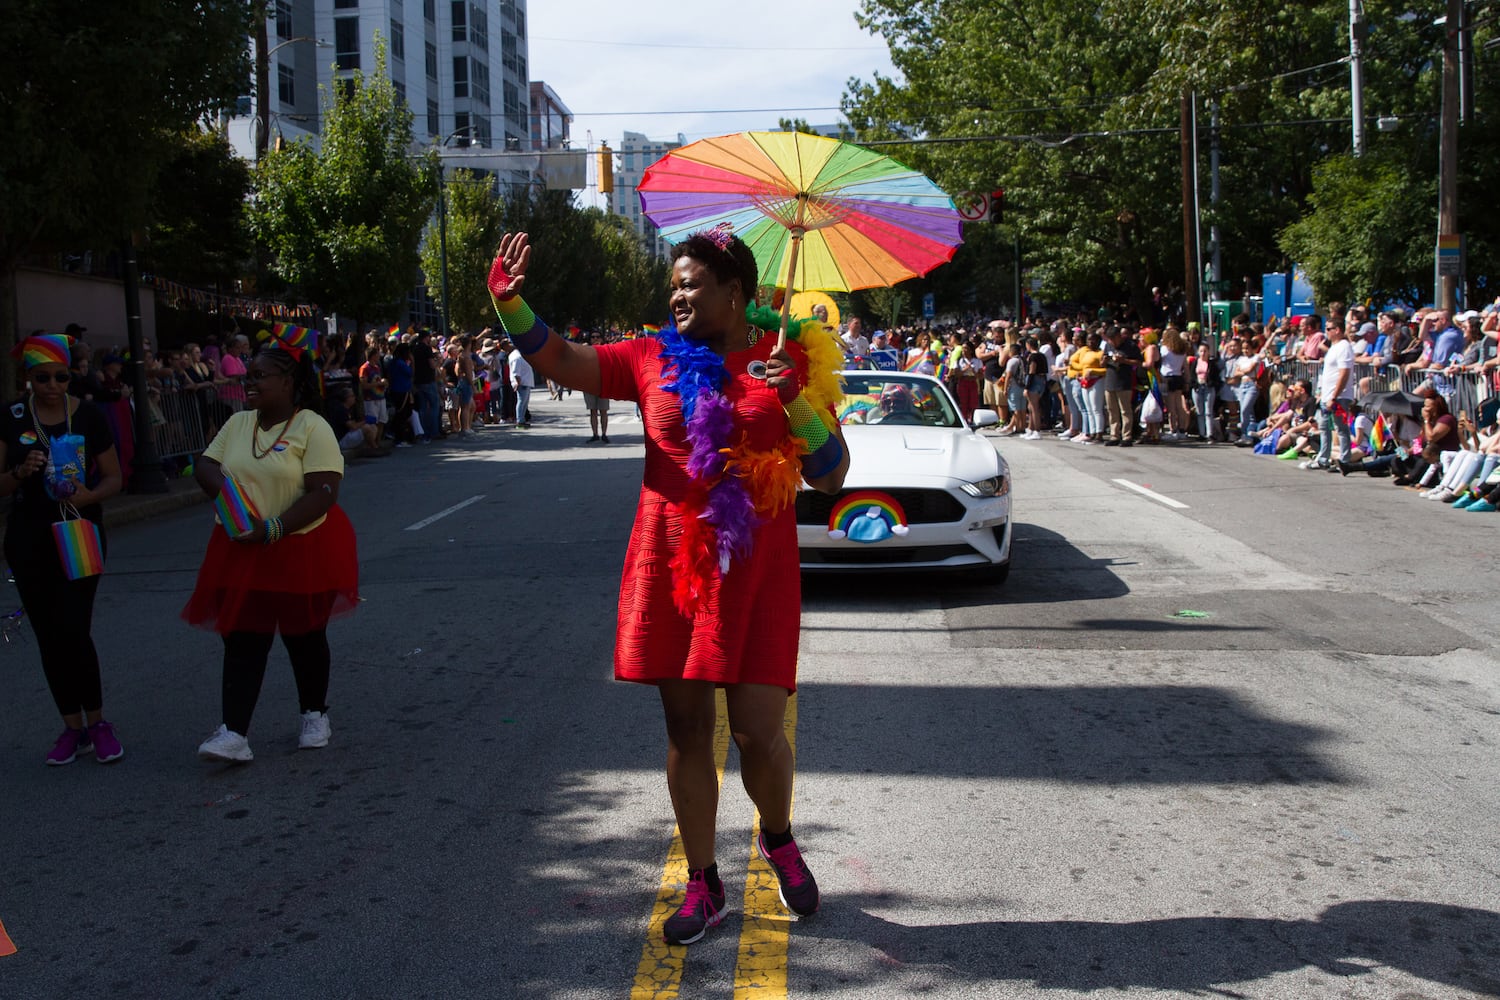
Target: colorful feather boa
{"points": [[735, 489]]}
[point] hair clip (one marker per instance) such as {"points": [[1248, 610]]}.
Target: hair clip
{"points": [[720, 235]]}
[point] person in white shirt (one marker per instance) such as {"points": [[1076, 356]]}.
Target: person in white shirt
{"points": [[521, 380], [1335, 399], [856, 344]]}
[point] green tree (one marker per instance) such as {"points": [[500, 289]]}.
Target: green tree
{"points": [[199, 230], [475, 222], [567, 260], [1073, 106], [90, 95], [344, 222], [634, 286], [889, 304]]}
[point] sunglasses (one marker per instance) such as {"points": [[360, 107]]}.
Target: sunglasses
{"points": [[42, 378]]}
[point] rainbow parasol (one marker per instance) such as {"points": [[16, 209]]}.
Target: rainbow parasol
{"points": [[817, 213]]}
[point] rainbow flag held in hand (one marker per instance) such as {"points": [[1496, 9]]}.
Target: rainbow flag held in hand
{"points": [[650, 330], [394, 331], [1379, 435]]}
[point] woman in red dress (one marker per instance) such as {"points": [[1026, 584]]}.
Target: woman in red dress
{"points": [[711, 593]]}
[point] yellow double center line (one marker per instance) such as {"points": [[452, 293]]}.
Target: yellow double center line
{"points": [[760, 969]]}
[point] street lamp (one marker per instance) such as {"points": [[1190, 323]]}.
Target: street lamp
{"points": [[263, 83], [443, 221]]}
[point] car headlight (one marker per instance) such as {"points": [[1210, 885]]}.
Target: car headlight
{"points": [[995, 486]]}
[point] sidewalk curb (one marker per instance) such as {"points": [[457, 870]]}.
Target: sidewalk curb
{"points": [[128, 508]]}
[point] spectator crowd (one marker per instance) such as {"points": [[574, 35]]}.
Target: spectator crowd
{"points": [[1413, 398]]}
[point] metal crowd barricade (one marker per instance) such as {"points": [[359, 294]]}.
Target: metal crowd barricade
{"points": [[1465, 391], [180, 419]]}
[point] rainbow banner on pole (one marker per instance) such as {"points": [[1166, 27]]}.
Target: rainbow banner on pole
{"points": [[236, 513]]}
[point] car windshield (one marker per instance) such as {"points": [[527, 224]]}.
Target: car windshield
{"points": [[895, 399]]}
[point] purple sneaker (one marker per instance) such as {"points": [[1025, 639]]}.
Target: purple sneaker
{"points": [[798, 888], [69, 745], [701, 909], [105, 743]]}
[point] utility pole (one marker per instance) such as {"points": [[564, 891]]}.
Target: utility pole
{"points": [[1189, 216], [146, 474], [1445, 293], [1357, 73], [262, 83], [1213, 191]]}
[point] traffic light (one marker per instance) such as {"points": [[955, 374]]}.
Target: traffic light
{"points": [[997, 205], [606, 169]]}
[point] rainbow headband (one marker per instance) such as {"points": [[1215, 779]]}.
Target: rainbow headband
{"points": [[45, 349]]}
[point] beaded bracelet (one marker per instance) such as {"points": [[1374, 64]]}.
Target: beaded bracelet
{"points": [[274, 530]]}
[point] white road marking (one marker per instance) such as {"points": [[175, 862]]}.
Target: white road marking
{"points": [[1175, 504], [444, 513]]}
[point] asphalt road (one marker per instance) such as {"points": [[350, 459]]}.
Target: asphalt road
{"points": [[1058, 788]]}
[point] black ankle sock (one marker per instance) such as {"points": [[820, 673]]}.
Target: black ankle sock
{"points": [[775, 840], [710, 876]]}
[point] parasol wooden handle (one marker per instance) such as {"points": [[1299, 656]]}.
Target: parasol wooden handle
{"points": [[791, 275]]}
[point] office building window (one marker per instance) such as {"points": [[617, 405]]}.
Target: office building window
{"points": [[400, 89], [432, 62], [283, 18], [286, 90], [481, 83], [479, 29], [460, 76], [461, 128], [520, 24], [460, 20], [345, 4], [434, 125], [346, 42], [398, 40], [429, 11], [345, 87]]}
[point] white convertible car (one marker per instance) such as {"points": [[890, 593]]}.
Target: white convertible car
{"points": [[924, 491]]}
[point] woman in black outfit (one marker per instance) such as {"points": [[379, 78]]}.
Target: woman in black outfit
{"points": [[61, 610]]}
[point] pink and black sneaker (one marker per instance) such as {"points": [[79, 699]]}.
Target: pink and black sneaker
{"points": [[701, 909], [69, 745], [798, 888]]}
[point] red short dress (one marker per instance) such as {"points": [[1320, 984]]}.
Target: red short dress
{"points": [[745, 630]]}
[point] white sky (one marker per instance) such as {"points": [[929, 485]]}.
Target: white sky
{"points": [[660, 68]]}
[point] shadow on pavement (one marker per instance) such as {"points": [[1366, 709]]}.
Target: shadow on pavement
{"points": [[1452, 946]]}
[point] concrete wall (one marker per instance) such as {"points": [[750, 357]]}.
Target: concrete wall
{"points": [[50, 300]]}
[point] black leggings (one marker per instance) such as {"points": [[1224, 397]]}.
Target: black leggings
{"points": [[245, 656], [62, 616]]}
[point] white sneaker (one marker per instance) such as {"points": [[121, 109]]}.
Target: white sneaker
{"points": [[1082, 440], [225, 745], [1065, 436], [403, 444], [315, 731]]}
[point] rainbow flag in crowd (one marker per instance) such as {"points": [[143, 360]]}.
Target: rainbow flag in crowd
{"points": [[1379, 435], [301, 337], [394, 331], [917, 360], [1154, 384], [650, 329]]}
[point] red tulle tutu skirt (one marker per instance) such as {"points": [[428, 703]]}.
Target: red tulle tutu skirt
{"points": [[294, 586]]}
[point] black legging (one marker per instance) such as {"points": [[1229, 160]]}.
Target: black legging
{"points": [[62, 616], [245, 655]]}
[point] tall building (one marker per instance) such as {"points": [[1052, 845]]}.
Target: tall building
{"points": [[461, 66], [635, 154]]}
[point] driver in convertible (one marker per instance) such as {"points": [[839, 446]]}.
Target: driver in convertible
{"points": [[896, 405]]}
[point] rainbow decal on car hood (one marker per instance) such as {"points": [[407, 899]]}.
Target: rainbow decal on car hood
{"points": [[867, 516]]}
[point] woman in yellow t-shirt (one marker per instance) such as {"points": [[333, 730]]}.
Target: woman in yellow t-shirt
{"points": [[295, 568]]}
